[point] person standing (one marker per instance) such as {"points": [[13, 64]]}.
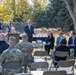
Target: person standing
{"points": [[49, 42], [29, 30], [11, 54], [72, 43]]}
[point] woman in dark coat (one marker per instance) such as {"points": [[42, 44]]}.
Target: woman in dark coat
{"points": [[49, 42]]}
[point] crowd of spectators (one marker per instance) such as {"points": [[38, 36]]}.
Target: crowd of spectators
{"points": [[22, 51]]}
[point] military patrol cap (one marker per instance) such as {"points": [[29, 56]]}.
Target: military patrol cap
{"points": [[12, 38]]}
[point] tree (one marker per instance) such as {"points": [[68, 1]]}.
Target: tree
{"points": [[23, 10], [59, 15], [1, 15], [5, 11], [15, 10], [38, 14], [71, 6], [38, 6]]}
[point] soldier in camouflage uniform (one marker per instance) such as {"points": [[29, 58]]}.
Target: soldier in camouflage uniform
{"points": [[27, 49], [11, 54]]}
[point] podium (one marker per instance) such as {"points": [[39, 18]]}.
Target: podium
{"points": [[16, 35]]}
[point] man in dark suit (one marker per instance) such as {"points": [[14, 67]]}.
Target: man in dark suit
{"points": [[72, 43], [29, 30]]}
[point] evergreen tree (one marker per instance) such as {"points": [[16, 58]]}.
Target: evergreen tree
{"points": [[59, 16], [56, 15], [39, 12]]}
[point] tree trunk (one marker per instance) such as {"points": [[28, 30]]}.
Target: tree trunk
{"points": [[74, 21], [72, 11]]}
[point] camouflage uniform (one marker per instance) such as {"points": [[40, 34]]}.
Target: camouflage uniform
{"points": [[26, 48], [11, 54]]}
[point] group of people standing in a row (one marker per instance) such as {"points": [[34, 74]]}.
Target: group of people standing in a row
{"points": [[71, 42]]}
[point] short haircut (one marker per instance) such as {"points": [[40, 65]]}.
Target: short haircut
{"points": [[63, 41], [61, 32], [12, 38], [24, 36], [73, 33], [2, 36]]}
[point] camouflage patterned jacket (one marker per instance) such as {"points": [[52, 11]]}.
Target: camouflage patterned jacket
{"points": [[11, 54], [26, 48]]}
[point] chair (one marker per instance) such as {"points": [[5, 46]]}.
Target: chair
{"points": [[59, 54], [67, 65], [23, 74], [11, 65], [54, 73], [37, 65], [37, 68], [41, 56]]}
